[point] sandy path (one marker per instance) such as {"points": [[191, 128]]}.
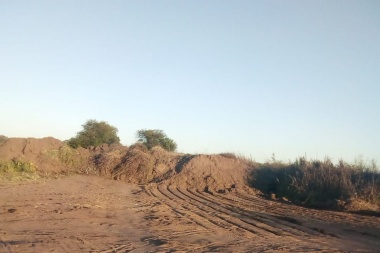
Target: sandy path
{"points": [[75, 214], [91, 214]]}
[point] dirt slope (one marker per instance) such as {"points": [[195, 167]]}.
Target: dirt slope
{"points": [[211, 173], [27, 148], [50, 155]]}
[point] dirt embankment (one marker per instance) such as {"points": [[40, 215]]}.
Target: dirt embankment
{"points": [[197, 203], [136, 164], [48, 154], [210, 173]]}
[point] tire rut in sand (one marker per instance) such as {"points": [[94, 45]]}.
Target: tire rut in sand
{"points": [[222, 208], [4, 246], [205, 217], [278, 222], [119, 249], [182, 211], [284, 209], [219, 215], [218, 212]]}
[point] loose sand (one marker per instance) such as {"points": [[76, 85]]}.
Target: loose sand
{"points": [[94, 214]]}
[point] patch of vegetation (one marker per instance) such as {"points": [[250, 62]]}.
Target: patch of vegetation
{"points": [[154, 137], [66, 155], [18, 170], [94, 133], [319, 184]]}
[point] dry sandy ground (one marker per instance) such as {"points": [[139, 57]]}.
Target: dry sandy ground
{"points": [[92, 214]]}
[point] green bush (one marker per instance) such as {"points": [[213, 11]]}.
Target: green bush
{"points": [[154, 137], [94, 133]]}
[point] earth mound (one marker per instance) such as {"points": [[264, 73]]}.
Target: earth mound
{"points": [[50, 155], [211, 173], [29, 148], [135, 164]]}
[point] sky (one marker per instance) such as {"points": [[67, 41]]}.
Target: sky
{"points": [[257, 78]]}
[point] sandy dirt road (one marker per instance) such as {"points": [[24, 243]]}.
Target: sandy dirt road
{"points": [[92, 214]]}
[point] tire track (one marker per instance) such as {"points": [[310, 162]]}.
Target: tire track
{"points": [[119, 249], [244, 217], [204, 214], [5, 247], [310, 213], [287, 224], [184, 212], [223, 215]]}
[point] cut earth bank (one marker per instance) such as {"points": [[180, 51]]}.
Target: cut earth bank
{"points": [[193, 204]]}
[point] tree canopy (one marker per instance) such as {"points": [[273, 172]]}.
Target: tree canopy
{"points": [[154, 137], [95, 133]]}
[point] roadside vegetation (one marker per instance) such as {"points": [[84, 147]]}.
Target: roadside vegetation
{"points": [[18, 170], [319, 184]]}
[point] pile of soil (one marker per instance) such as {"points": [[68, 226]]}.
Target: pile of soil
{"points": [[105, 158], [48, 154], [27, 148], [212, 173], [136, 164]]}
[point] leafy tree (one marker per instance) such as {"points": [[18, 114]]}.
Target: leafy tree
{"points": [[154, 137], [95, 133]]}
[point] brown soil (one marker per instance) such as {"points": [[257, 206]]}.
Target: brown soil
{"points": [[29, 148], [94, 214], [48, 154], [192, 204]]}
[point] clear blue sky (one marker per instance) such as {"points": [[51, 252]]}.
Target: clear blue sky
{"points": [[251, 77]]}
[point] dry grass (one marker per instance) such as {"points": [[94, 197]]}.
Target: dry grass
{"points": [[320, 184], [17, 170]]}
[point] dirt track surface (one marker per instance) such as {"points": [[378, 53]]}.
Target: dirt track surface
{"points": [[93, 214]]}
